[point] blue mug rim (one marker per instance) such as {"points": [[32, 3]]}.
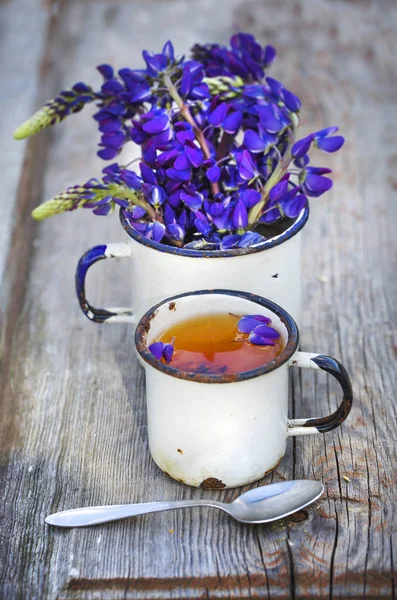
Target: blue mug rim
{"points": [[298, 224], [288, 351]]}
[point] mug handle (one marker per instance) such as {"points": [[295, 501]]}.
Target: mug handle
{"points": [[308, 360], [89, 258]]}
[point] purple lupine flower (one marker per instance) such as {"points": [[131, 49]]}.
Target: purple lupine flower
{"points": [[112, 173], [135, 213], [155, 121], [161, 350], [184, 155], [148, 174], [119, 97], [131, 179], [137, 88], [139, 226], [156, 196], [276, 87], [278, 191], [302, 147], [106, 71], [246, 165], [173, 229], [183, 219], [156, 63], [179, 175], [317, 170], [191, 156], [263, 335], [230, 241], [250, 239], [231, 130], [271, 214], [269, 56], [192, 85], [258, 143], [218, 115], [272, 119], [245, 240], [155, 231], [248, 322], [245, 58], [283, 202], [192, 199], [220, 213], [213, 172], [240, 215], [250, 197], [111, 141], [316, 185], [291, 101], [168, 352], [293, 203], [224, 222], [153, 125], [202, 223], [302, 161], [325, 142], [233, 121]]}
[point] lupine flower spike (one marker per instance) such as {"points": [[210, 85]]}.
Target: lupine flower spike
{"points": [[221, 156]]}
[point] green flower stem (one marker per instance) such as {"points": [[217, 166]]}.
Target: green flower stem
{"points": [[135, 198], [189, 118], [282, 167]]}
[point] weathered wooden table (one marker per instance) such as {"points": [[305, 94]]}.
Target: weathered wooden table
{"points": [[73, 426]]}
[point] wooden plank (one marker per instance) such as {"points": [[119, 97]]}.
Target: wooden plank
{"points": [[23, 66], [74, 398], [20, 53], [344, 77]]}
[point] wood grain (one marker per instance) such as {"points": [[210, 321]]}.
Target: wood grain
{"points": [[20, 54], [73, 428]]}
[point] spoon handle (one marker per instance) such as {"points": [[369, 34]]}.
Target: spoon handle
{"points": [[95, 515]]}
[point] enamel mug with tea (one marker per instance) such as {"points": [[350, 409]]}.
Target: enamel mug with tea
{"points": [[272, 270], [216, 431]]}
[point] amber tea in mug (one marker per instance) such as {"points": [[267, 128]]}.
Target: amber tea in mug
{"points": [[213, 344]]}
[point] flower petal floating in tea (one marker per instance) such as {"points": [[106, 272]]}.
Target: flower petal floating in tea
{"points": [[161, 350], [259, 329]]}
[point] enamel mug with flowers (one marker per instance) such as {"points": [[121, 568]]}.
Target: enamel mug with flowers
{"points": [[221, 191]]}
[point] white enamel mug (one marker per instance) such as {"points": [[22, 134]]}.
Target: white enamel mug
{"points": [[272, 270], [222, 431]]}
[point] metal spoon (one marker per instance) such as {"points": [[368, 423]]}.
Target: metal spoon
{"points": [[259, 505]]}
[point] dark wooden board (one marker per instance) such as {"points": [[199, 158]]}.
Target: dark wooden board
{"points": [[73, 426]]}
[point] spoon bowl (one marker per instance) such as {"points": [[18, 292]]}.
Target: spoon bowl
{"points": [[274, 501], [259, 505]]}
